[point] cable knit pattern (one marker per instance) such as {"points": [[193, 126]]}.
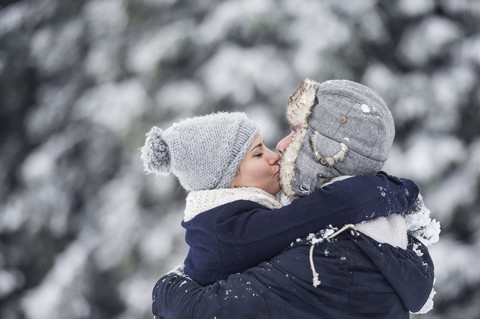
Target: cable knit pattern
{"points": [[201, 201]]}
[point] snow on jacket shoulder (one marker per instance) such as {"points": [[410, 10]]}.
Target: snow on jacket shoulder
{"points": [[239, 235], [359, 278]]}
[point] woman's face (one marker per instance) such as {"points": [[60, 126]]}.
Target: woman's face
{"points": [[259, 168]]}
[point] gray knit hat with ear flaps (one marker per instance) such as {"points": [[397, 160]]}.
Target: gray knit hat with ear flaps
{"points": [[203, 152], [343, 128]]}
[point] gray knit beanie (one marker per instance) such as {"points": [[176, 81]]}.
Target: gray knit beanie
{"points": [[344, 128], [203, 152]]}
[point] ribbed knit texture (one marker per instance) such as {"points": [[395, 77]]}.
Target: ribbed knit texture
{"points": [[203, 152]]}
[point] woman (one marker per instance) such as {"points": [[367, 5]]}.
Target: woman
{"points": [[268, 290]]}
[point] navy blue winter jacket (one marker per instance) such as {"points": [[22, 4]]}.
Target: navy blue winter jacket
{"points": [[239, 235], [359, 278]]}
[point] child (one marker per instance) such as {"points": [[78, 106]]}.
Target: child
{"points": [[344, 128]]}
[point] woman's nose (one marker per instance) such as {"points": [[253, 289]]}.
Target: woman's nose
{"points": [[274, 157]]}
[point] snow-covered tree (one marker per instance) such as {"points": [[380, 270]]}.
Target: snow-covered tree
{"points": [[85, 234]]}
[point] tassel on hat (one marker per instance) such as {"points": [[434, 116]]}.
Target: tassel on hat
{"points": [[155, 153]]}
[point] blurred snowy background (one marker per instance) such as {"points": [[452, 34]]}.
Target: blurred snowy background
{"points": [[85, 234]]}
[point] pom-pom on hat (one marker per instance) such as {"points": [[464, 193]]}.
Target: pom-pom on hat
{"points": [[203, 152], [343, 128]]}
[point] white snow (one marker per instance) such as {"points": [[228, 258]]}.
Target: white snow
{"points": [[116, 66], [365, 108], [457, 186], [257, 67], [412, 8], [421, 225], [113, 105], [9, 281], [425, 157], [56, 48], [102, 25], [434, 33], [180, 95], [269, 129], [237, 14], [52, 298], [12, 17]]}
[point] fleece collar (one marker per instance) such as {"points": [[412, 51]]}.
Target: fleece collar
{"points": [[299, 108], [200, 201]]}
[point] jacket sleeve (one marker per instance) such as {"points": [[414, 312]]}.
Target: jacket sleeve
{"points": [[260, 234], [178, 297]]}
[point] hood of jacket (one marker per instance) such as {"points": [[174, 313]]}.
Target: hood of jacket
{"points": [[411, 276]]}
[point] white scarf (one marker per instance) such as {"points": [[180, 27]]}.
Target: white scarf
{"points": [[200, 201]]}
